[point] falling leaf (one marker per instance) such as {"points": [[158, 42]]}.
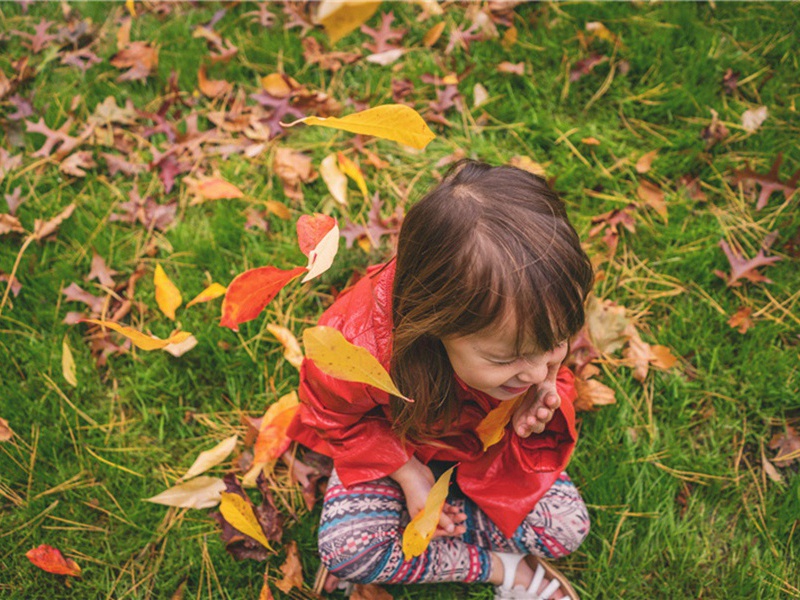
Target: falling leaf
{"points": [[212, 88], [334, 179], [211, 458], [68, 364], [396, 122], [420, 530], [213, 291], [744, 268], [211, 188], [139, 339], [322, 253], [239, 514], [292, 352], [292, 570], [340, 17], [6, 433], [249, 293], [43, 229], [337, 357], [353, 171], [753, 118], [741, 319], [51, 560], [646, 161], [200, 492], [180, 348], [433, 34], [653, 196], [168, 296], [492, 427]]}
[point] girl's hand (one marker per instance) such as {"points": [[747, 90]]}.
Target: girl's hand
{"points": [[417, 480], [538, 407]]}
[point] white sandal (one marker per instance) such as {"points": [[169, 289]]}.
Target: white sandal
{"points": [[507, 591]]}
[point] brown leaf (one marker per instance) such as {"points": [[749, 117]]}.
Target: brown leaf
{"points": [[741, 319], [101, 272], [770, 469], [212, 88], [607, 324], [646, 161], [6, 433], [140, 58], [653, 197], [640, 355], [76, 163], [117, 164], [730, 81], [369, 591], [610, 222], [592, 393], [769, 182], [16, 286], [75, 293], [39, 39], [462, 37], [292, 168], [383, 36], [513, 68], [716, 130], [744, 268], [585, 66], [330, 61], [292, 570], [788, 446], [42, 229], [10, 224]]}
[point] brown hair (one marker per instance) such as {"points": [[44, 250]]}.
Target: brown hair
{"points": [[486, 243]]}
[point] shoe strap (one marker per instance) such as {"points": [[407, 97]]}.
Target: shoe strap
{"points": [[510, 563]]}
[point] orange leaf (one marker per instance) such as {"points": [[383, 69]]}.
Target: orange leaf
{"points": [[211, 188], [353, 171], [276, 84], [420, 530], [279, 209], [249, 293], [168, 296], [215, 290], [433, 34], [592, 393], [590, 141], [653, 196], [319, 240], [645, 161], [51, 560], [311, 229], [139, 339], [493, 426], [741, 319], [272, 440], [292, 570], [213, 88]]}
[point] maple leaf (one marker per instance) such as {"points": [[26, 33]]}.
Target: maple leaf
{"points": [[298, 16], [377, 226], [446, 98], [280, 108], [74, 293], [462, 37], [168, 168], [101, 272], [82, 59], [610, 222], [76, 163], [242, 546], [741, 319], [117, 164], [262, 16], [384, 35], [744, 268], [330, 61], [591, 392], [38, 40], [147, 212], [8, 163], [14, 199], [23, 105], [585, 66], [43, 229], [769, 182], [140, 58]]}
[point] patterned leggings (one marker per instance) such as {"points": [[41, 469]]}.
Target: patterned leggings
{"points": [[360, 535]]}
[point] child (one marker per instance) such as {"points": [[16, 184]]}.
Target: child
{"points": [[476, 309]]}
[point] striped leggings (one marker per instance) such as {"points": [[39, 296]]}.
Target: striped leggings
{"points": [[361, 531]]}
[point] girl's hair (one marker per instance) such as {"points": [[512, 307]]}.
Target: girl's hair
{"points": [[488, 243]]}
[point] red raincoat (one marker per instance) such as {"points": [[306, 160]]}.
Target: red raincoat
{"points": [[350, 422]]}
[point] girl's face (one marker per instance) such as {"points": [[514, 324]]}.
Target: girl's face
{"points": [[486, 361]]}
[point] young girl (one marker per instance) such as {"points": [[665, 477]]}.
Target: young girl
{"points": [[476, 309]]}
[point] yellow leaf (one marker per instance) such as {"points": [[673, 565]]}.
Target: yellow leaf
{"points": [[334, 178], [168, 296], [279, 209], [239, 514], [139, 339], [337, 357], [68, 364], [396, 122], [340, 18], [276, 85], [491, 429], [291, 347], [131, 8], [433, 35], [215, 290], [211, 458], [420, 530], [353, 171]]}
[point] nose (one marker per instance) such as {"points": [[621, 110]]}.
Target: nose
{"points": [[533, 374]]}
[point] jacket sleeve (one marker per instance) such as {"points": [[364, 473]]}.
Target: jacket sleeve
{"points": [[349, 417]]}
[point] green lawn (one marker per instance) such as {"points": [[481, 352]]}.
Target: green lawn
{"points": [[674, 473]]}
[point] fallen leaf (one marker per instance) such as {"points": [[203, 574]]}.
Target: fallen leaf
{"points": [[640, 355], [396, 122], [180, 348], [744, 268], [51, 560], [292, 570], [334, 179], [419, 532], [513, 68], [14, 199], [480, 95], [753, 118], [769, 182], [239, 514], [335, 356], [6, 433], [211, 458], [43, 229], [211, 188], [292, 168], [331, 61], [585, 66], [653, 197], [788, 446], [292, 352], [213, 291], [741, 319], [492, 427], [68, 364], [592, 393], [716, 130], [590, 141], [770, 469], [321, 255], [140, 58], [139, 339], [250, 292], [384, 36], [212, 88], [168, 296], [601, 31], [369, 591], [646, 161], [526, 163], [433, 34], [386, 58], [279, 209], [10, 224], [200, 492], [12, 282], [74, 293], [462, 37], [339, 17], [606, 323], [101, 272], [272, 440]]}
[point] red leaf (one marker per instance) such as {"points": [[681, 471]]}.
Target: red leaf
{"points": [[40, 39], [249, 293], [585, 66], [769, 182], [745, 268], [311, 229], [51, 560]]}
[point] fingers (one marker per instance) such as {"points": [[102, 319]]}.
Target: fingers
{"points": [[451, 522], [539, 415]]}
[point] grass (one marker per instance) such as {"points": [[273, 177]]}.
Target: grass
{"points": [[680, 503]]}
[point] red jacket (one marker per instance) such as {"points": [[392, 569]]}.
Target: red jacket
{"points": [[350, 422]]}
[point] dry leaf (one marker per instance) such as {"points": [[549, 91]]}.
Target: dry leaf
{"points": [[292, 352], [646, 161], [212, 88], [753, 118], [180, 348], [292, 168], [652, 195], [279, 209], [788, 446], [76, 163], [272, 440], [51, 560], [606, 323], [278, 85], [211, 458], [139, 339], [527, 164], [590, 141], [292, 570], [745, 268], [211, 188], [320, 257], [200, 492], [770, 469], [43, 229], [215, 290], [433, 34], [480, 95], [6, 433], [10, 224], [335, 356], [334, 179], [396, 122], [168, 296], [513, 68], [592, 393], [741, 319], [68, 364], [340, 17], [420, 530], [369, 591]]}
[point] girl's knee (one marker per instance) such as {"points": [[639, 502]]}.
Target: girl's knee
{"points": [[557, 526], [356, 558]]}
